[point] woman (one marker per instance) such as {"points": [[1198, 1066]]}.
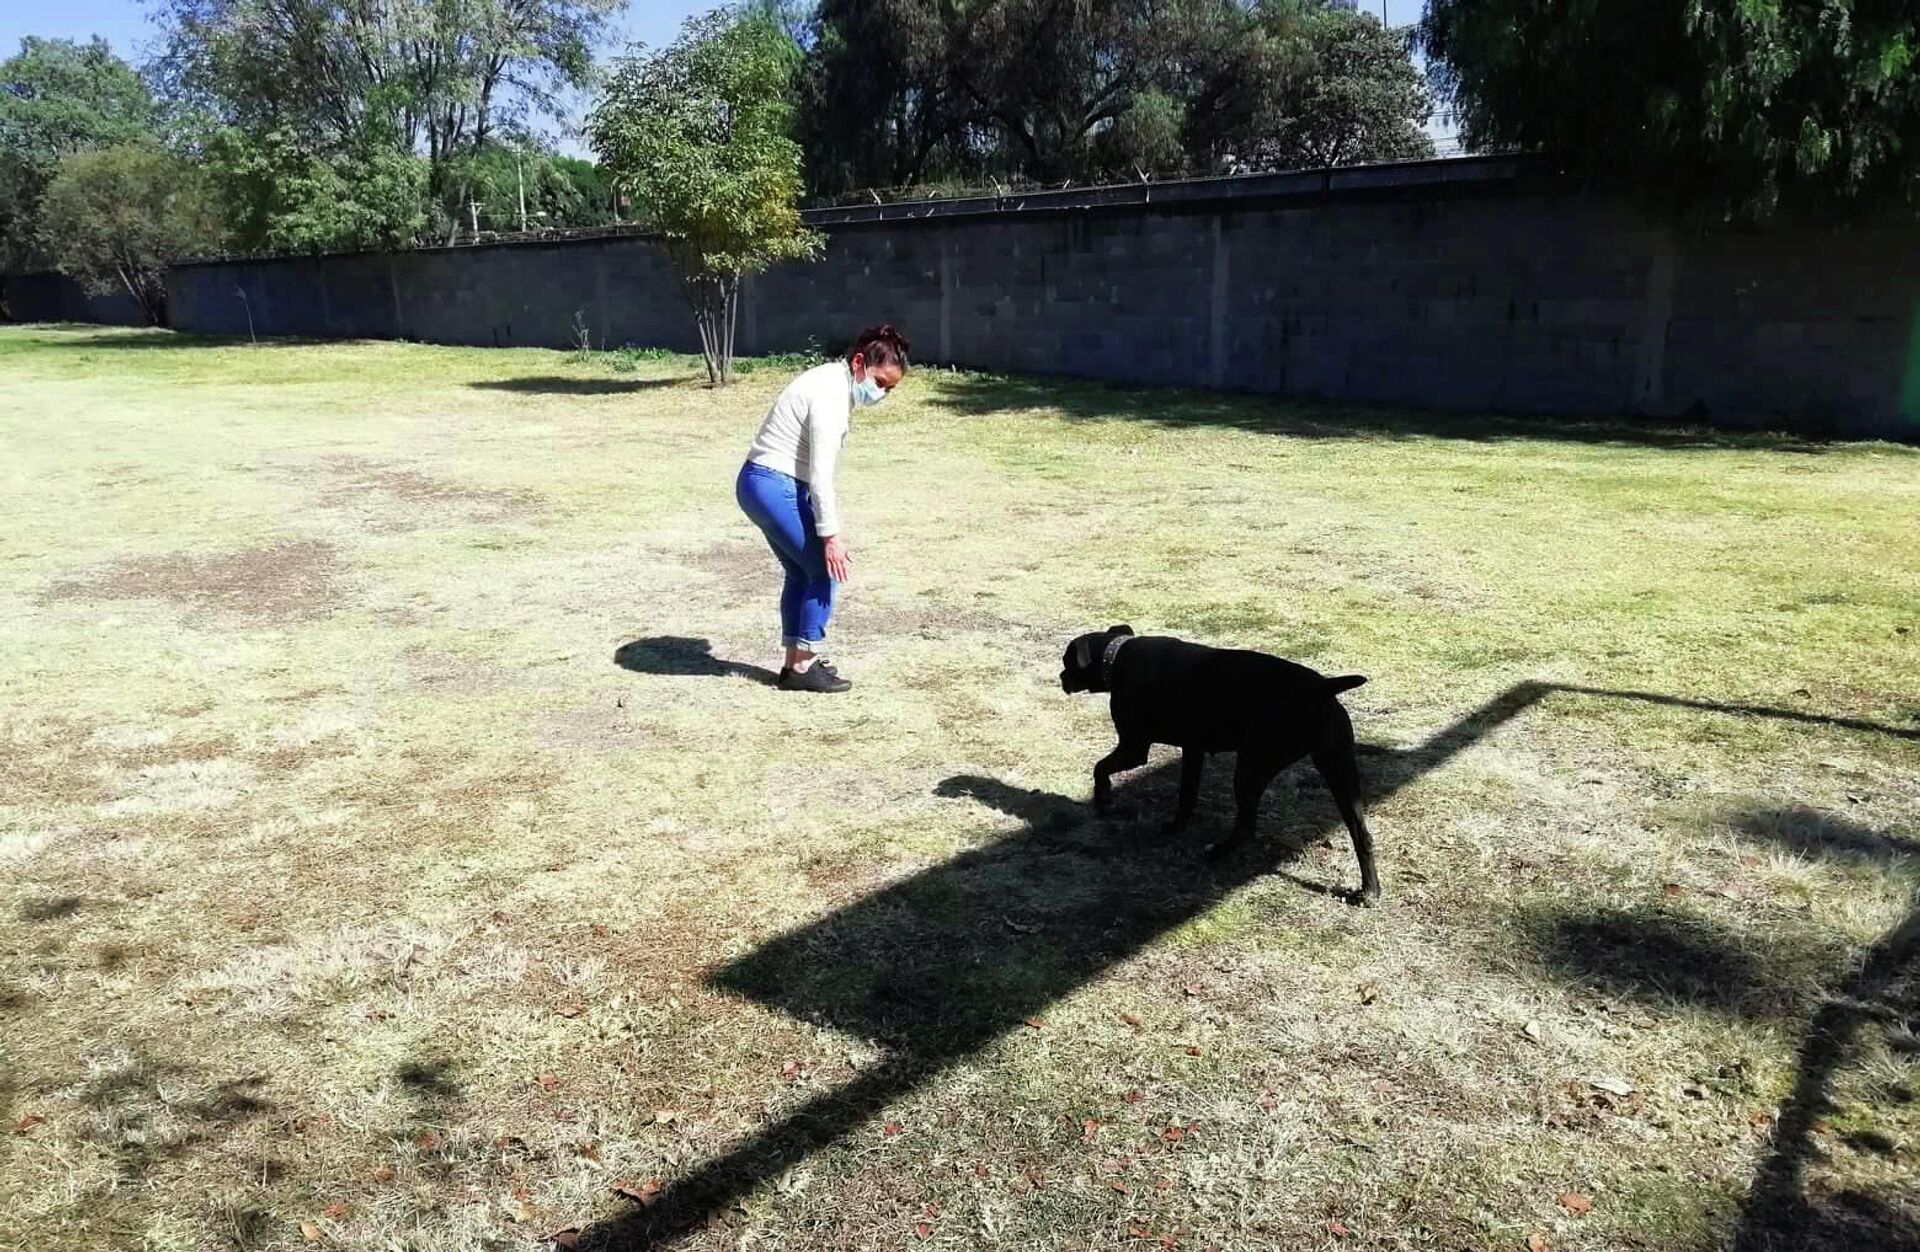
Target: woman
{"points": [[786, 488]]}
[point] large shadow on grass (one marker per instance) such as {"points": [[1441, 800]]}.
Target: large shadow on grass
{"points": [[560, 385], [1670, 956], [938, 966], [982, 394], [87, 337]]}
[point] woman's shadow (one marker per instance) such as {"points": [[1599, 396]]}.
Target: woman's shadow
{"points": [[685, 657]]}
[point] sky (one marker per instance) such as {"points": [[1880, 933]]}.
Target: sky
{"points": [[124, 23]]}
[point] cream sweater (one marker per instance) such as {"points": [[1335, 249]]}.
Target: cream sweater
{"points": [[802, 434]]}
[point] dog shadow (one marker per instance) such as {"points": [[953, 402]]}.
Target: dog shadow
{"points": [[684, 657]]}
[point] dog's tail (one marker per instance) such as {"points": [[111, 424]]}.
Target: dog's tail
{"points": [[1346, 682]]}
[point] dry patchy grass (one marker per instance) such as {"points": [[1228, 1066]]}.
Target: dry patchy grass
{"points": [[403, 848]]}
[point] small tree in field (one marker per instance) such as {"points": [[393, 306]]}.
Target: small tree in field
{"points": [[698, 134], [115, 218]]}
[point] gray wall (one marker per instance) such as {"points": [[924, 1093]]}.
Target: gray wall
{"points": [[1465, 284], [57, 298]]}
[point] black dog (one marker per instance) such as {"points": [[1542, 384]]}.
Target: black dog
{"points": [[1268, 711]]}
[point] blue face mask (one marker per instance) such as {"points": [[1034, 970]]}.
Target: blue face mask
{"points": [[867, 393]]}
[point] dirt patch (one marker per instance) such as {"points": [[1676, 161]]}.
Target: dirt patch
{"points": [[287, 581], [400, 499], [743, 569]]}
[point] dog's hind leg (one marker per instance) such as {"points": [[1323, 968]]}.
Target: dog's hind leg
{"points": [[1252, 773], [1336, 762], [1192, 762], [1128, 755]]}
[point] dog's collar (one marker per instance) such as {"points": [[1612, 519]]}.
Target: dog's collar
{"points": [[1106, 658]]}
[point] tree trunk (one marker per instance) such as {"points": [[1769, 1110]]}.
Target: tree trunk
{"points": [[715, 302]]}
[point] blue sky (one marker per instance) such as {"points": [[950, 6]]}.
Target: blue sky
{"points": [[124, 24]]}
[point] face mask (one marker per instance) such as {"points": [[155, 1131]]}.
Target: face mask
{"points": [[867, 393]]}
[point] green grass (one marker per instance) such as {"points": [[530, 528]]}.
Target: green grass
{"points": [[354, 893]]}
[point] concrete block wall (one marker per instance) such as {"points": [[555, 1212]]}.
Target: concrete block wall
{"points": [[1468, 285], [50, 297]]}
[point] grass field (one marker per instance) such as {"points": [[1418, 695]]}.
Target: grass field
{"points": [[400, 846]]}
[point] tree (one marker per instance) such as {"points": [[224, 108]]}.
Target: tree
{"points": [[1735, 106], [1357, 100], [699, 135], [58, 97], [116, 217], [438, 77], [275, 194], [898, 91]]}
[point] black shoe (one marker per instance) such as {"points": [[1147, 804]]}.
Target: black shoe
{"points": [[816, 677]]}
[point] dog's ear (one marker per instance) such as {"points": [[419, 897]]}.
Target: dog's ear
{"points": [[1119, 630], [1082, 653]]}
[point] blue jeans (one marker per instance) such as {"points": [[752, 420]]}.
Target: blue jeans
{"points": [[782, 507]]}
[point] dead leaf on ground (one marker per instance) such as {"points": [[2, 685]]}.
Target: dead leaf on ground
{"points": [[548, 1081], [1089, 1129], [924, 1230], [1174, 1134], [600, 930], [643, 1194], [1132, 1097], [1612, 1086], [1338, 1229], [1532, 1031], [663, 1117], [1193, 1049], [383, 1174], [589, 1150], [337, 1210], [1132, 1019], [428, 1141], [1536, 1242], [890, 1129], [310, 1232], [1368, 992], [1576, 1203], [569, 1010], [27, 1123], [1119, 1186], [1034, 1023]]}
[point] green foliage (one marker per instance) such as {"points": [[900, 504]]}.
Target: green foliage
{"points": [[906, 91], [59, 97], [115, 217], [1738, 106], [1359, 99], [277, 195], [557, 191], [1145, 139], [361, 89], [699, 134]]}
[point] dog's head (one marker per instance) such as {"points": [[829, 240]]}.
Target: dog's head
{"points": [[1081, 669]]}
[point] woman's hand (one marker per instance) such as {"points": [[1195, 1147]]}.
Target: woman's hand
{"points": [[839, 564]]}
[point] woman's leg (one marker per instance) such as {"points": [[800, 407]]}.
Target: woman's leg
{"points": [[816, 596], [779, 505]]}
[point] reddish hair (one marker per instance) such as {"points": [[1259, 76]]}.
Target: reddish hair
{"points": [[880, 345]]}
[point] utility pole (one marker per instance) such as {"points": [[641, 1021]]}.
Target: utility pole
{"points": [[520, 178]]}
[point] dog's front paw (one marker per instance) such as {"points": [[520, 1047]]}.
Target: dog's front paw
{"points": [[1365, 898]]}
